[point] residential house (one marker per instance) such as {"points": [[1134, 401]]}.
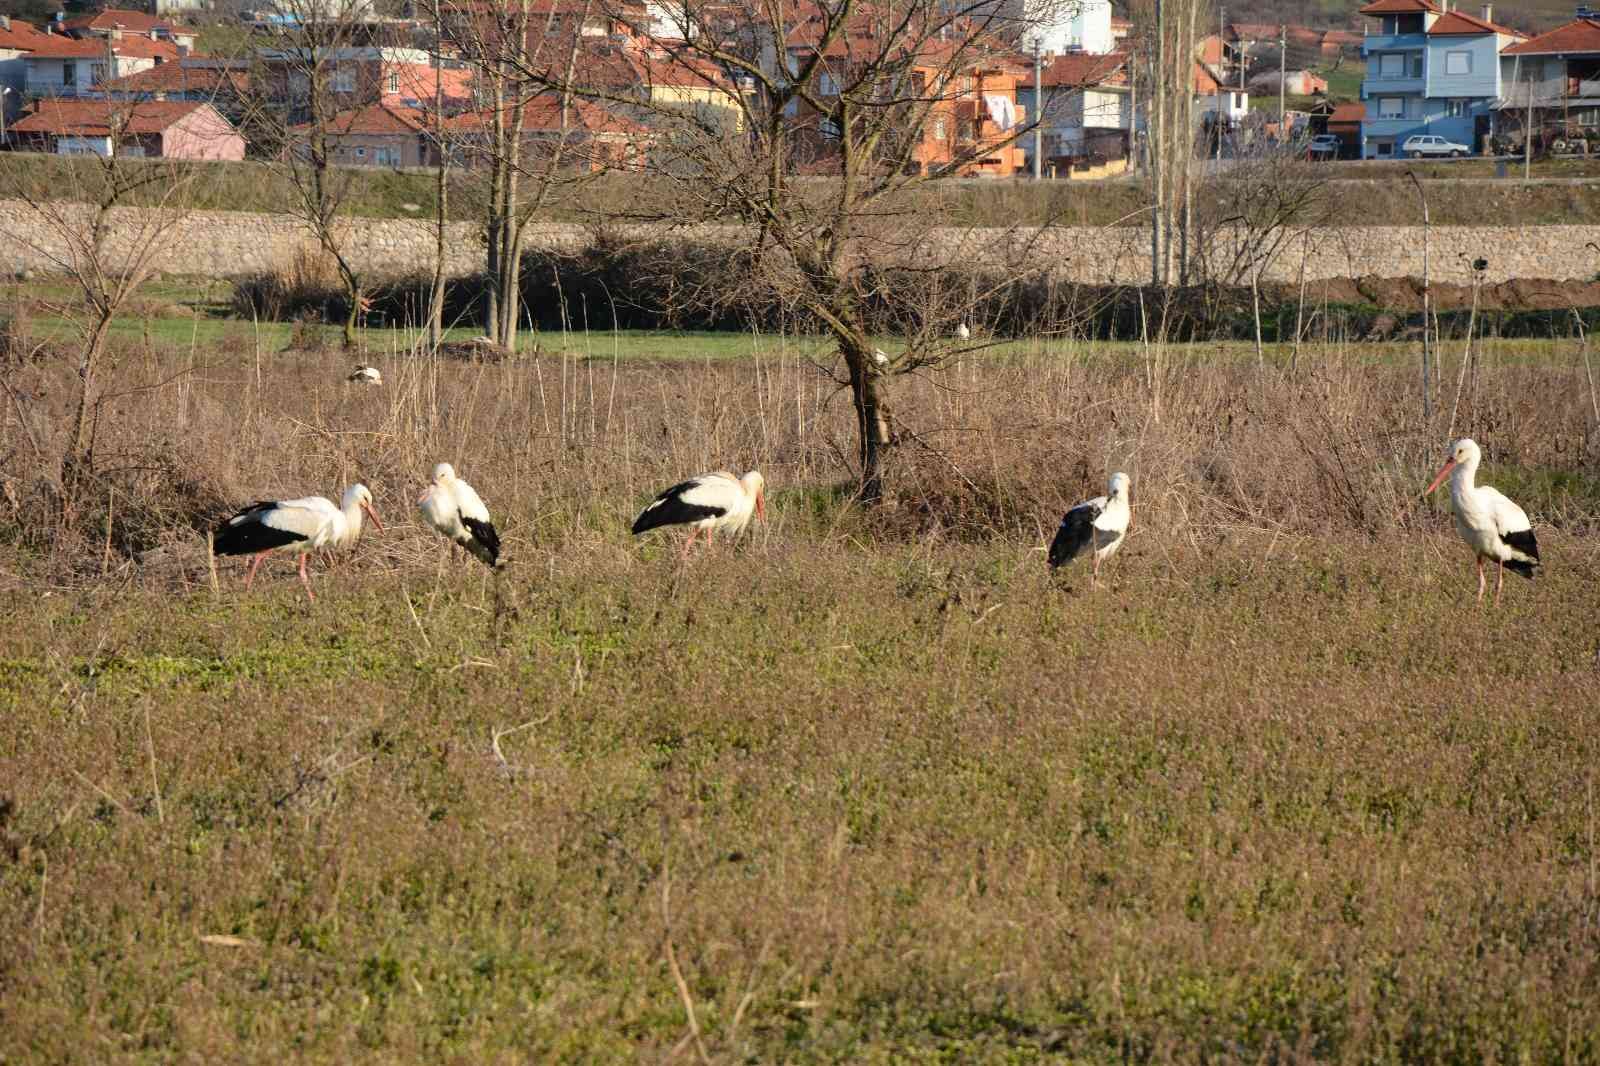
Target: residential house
{"points": [[68, 66], [355, 77], [1295, 82], [1429, 71], [220, 82], [152, 129], [971, 128], [18, 40], [1087, 108], [591, 138], [1557, 74], [379, 135], [121, 23]]}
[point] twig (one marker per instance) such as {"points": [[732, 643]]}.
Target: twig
{"points": [[494, 741], [677, 974], [155, 783]]}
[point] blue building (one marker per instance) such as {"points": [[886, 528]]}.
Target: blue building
{"points": [[1429, 71]]}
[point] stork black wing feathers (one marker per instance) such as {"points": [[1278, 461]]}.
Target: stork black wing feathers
{"points": [[1523, 541], [670, 509], [245, 533], [485, 542], [1076, 533]]}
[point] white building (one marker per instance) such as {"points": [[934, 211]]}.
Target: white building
{"points": [[1057, 27]]}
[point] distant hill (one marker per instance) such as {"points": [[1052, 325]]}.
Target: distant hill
{"points": [[1529, 16]]}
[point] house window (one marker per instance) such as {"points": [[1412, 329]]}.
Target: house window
{"points": [[1392, 65], [394, 83], [1458, 62], [69, 73], [1589, 116], [826, 85], [361, 153], [1416, 65], [344, 81], [938, 128], [1385, 147], [1391, 107], [1457, 108]]}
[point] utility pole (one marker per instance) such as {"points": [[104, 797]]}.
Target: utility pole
{"points": [[1283, 64], [1038, 109], [1527, 131]]}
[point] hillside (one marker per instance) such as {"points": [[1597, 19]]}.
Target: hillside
{"points": [[1530, 16]]}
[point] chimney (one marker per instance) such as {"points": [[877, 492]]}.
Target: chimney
{"points": [[5, 22], [1488, 13]]}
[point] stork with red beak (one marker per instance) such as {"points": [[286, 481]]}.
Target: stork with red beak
{"points": [[1493, 526], [717, 502], [303, 526]]}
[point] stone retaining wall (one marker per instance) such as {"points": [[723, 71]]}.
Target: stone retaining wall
{"points": [[221, 244]]}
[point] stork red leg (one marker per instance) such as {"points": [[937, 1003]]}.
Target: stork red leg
{"points": [[1482, 581], [693, 533], [250, 575], [304, 580], [1499, 579]]}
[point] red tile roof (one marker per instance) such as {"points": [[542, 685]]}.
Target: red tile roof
{"points": [[1460, 24], [55, 46], [1347, 113], [181, 77], [1398, 7], [22, 37], [97, 117], [1578, 36], [117, 18], [378, 119], [543, 113], [1076, 71]]}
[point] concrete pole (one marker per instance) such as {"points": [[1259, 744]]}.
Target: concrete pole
{"points": [[1038, 109], [1283, 63]]}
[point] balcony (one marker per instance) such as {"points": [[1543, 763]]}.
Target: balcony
{"points": [[1391, 87], [1393, 42]]}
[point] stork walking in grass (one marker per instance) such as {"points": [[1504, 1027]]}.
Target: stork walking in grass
{"points": [[454, 510], [715, 503], [1493, 526], [303, 526], [1098, 525]]}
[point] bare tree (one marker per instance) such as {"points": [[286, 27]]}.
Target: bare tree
{"points": [[303, 84], [815, 125], [505, 42], [106, 225]]}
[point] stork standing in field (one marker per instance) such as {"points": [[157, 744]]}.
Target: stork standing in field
{"points": [[1098, 524], [454, 510], [1493, 526], [963, 332], [304, 526], [717, 502], [365, 375]]}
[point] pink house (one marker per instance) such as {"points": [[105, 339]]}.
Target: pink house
{"points": [[158, 129]]}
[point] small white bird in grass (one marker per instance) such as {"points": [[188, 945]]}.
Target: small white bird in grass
{"points": [[1100, 524], [303, 526], [717, 502], [365, 375], [880, 357], [963, 332], [1493, 526], [453, 508]]}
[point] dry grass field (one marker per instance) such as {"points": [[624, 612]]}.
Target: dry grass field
{"points": [[867, 787]]}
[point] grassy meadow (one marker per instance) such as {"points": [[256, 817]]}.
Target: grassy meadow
{"points": [[866, 787]]}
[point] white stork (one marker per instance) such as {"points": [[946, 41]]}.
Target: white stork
{"points": [[365, 375], [454, 510], [1493, 526], [1100, 524], [717, 502], [963, 332], [304, 525]]}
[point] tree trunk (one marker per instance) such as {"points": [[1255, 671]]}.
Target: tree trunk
{"points": [[872, 425], [88, 366]]}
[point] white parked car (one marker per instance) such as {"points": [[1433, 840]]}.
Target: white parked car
{"points": [[1323, 146], [1421, 144]]}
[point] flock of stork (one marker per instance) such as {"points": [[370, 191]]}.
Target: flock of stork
{"points": [[1495, 528]]}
